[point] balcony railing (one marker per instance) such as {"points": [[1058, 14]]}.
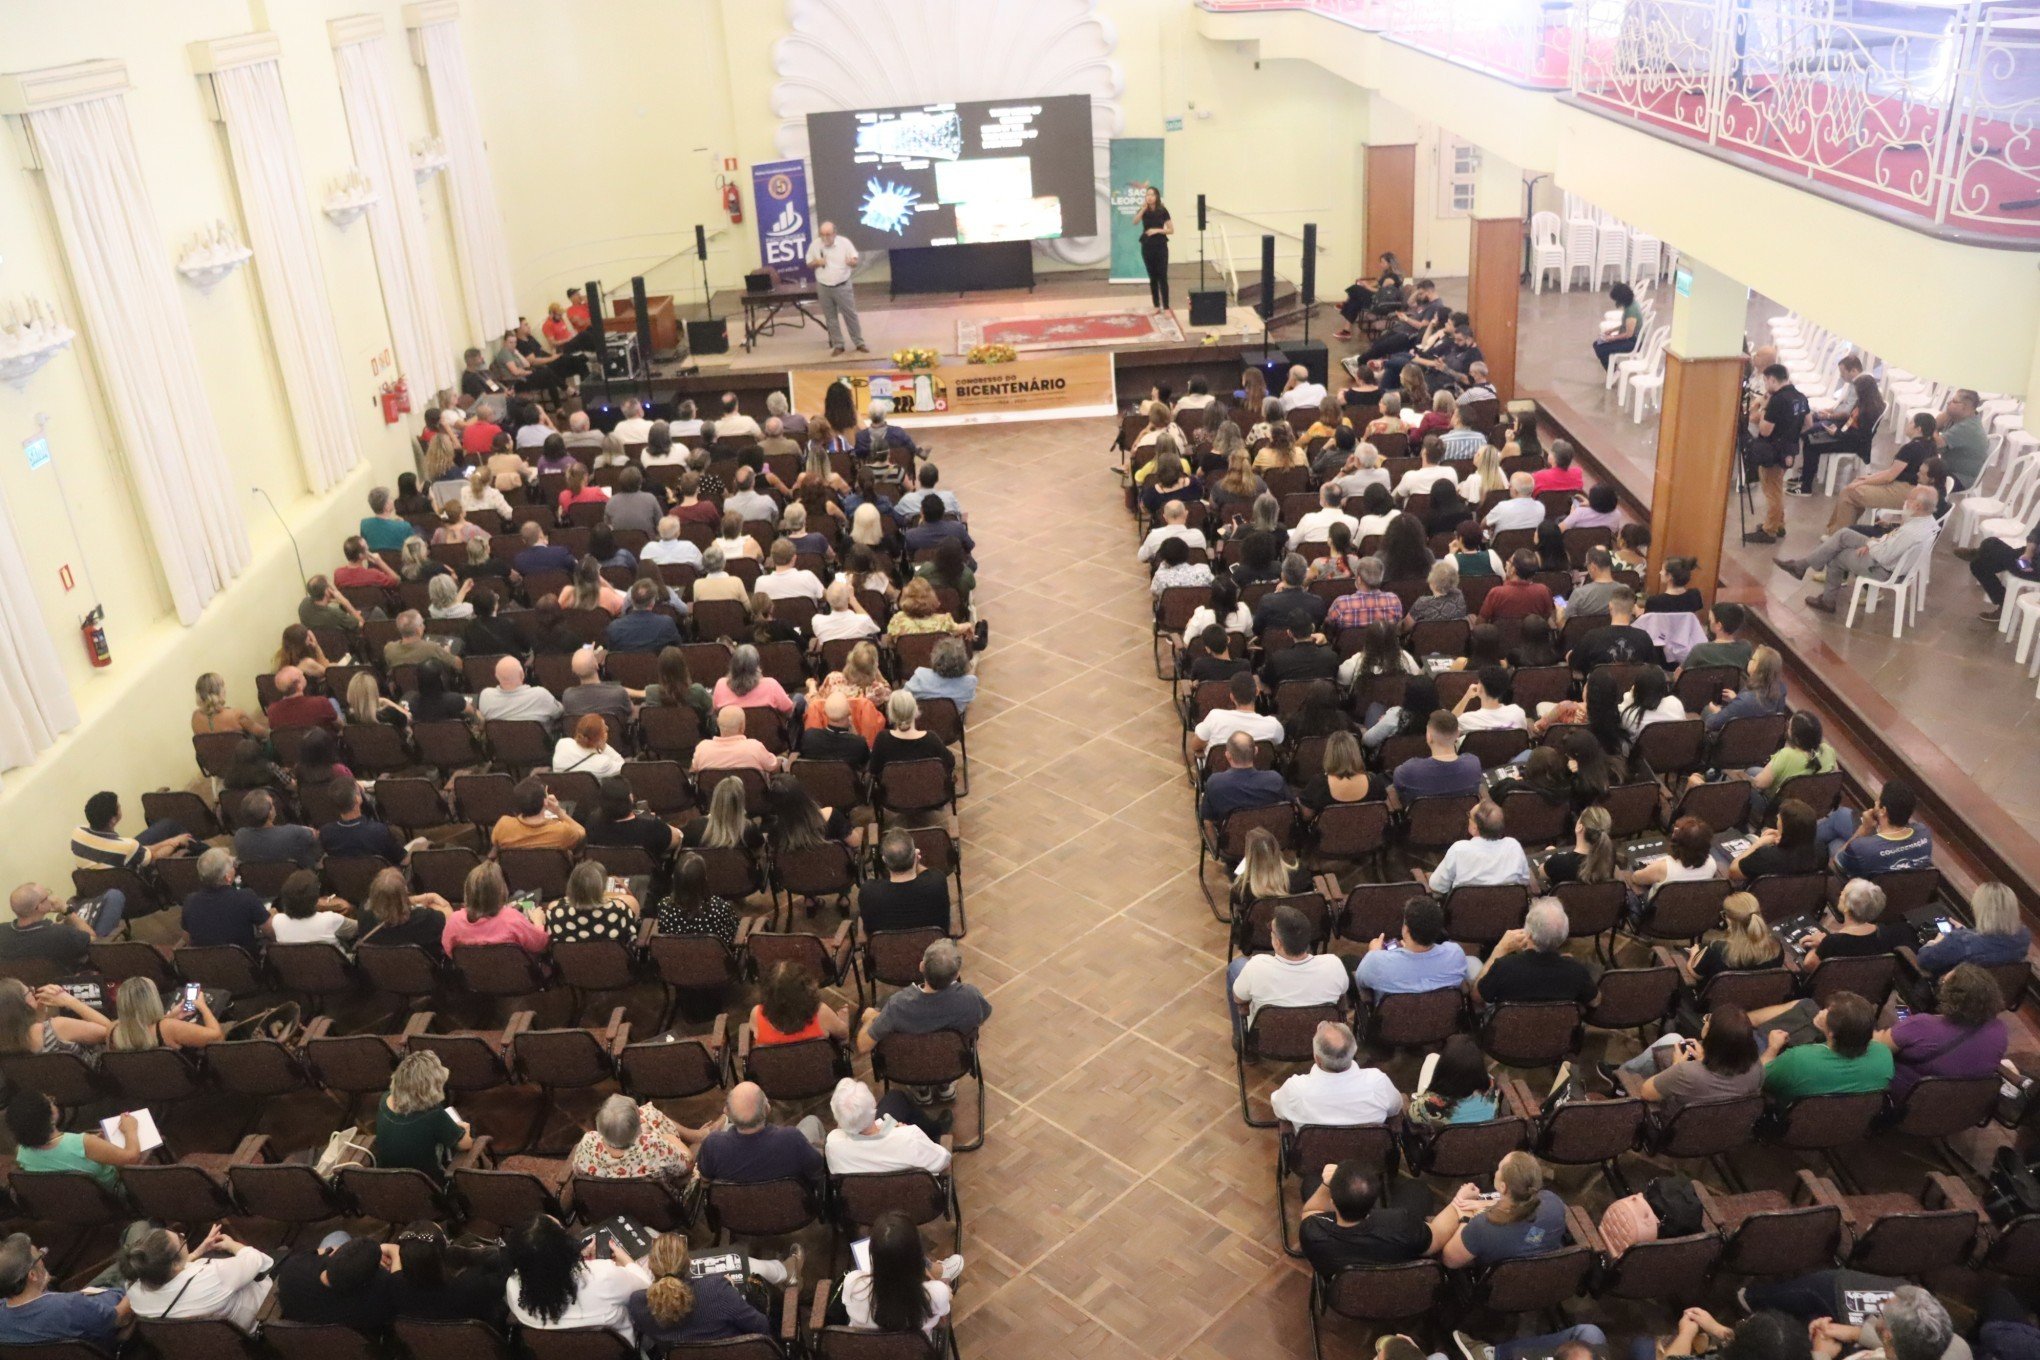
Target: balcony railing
{"points": [[1926, 112]]}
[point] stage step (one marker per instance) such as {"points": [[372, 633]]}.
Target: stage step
{"points": [[1285, 294]]}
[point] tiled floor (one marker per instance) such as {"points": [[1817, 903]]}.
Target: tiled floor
{"points": [[1949, 652]]}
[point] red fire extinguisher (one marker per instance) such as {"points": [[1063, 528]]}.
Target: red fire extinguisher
{"points": [[404, 395], [94, 630], [389, 404], [732, 204]]}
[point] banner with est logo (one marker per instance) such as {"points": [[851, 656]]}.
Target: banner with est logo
{"points": [[779, 192]]}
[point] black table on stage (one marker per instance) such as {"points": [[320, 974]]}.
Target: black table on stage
{"points": [[772, 302]]}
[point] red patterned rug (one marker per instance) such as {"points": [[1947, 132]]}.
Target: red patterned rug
{"points": [[1034, 333]]}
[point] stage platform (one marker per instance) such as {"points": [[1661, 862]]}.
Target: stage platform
{"points": [[938, 323]]}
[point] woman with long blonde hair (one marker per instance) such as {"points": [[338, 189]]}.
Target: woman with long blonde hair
{"points": [[867, 529], [414, 1127], [725, 826], [1264, 871], [1746, 940], [859, 678], [1485, 477], [441, 454], [141, 1022], [1253, 389], [481, 493], [215, 714]]}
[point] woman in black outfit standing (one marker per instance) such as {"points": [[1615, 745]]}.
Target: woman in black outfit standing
{"points": [[1155, 231]]}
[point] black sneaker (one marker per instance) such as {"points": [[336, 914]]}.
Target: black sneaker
{"points": [[1760, 536]]}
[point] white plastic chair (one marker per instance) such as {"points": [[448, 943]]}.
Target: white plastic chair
{"points": [[1907, 587], [1581, 235], [1649, 386], [1971, 508], [1546, 254], [1611, 251], [1646, 358], [1646, 256]]}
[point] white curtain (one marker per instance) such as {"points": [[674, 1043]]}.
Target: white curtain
{"points": [[141, 344], [396, 225], [35, 699], [477, 222], [287, 266]]}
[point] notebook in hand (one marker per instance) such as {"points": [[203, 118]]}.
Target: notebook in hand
{"points": [[146, 1132]]}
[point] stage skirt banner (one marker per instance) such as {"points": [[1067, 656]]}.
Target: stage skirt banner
{"points": [[779, 193], [1136, 165], [1050, 387]]}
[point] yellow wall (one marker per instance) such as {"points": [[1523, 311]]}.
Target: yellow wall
{"points": [[135, 735]]}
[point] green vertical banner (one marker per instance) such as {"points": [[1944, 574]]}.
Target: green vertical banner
{"points": [[1136, 165]]}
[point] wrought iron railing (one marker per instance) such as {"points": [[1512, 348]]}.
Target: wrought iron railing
{"points": [[1927, 111]]}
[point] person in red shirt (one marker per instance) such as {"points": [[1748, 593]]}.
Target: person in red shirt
{"points": [[556, 329], [1517, 597], [478, 436], [298, 709], [577, 310], [578, 491], [363, 568], [1558, 474]]}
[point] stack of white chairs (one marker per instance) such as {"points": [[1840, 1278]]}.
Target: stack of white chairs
{"points": [[1647, 382], [1611, 251], [1582, 235], [1546, 254], [1646, 257]]}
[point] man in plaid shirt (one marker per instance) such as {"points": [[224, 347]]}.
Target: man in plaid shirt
{"points": [[1369, 604]]}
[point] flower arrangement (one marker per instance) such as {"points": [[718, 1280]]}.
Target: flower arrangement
{"points": [[992, 354], [915, 358]]}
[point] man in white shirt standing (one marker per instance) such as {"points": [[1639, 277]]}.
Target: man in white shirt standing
{"points": [[1300, 390], [1337, 1090], [832, 257], [875, 1137]]}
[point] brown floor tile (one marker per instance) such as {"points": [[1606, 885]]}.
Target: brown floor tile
{"points": [[1137, 1101], [1025, 1320], [1154, 1269], [1034, 1186], [1228, 1171], [1026, 917], [1125, 972], [1019, 1058], [1273, 1318]]}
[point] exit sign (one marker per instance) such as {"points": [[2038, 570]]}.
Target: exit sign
{"points": [[38, 451]]}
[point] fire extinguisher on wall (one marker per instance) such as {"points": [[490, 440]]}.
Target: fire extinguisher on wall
{"points": [[94, 630], [732, 203], [404, 395], [389, 404]]}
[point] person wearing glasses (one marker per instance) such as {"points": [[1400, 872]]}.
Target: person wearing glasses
{"points": [[33, 1312]]}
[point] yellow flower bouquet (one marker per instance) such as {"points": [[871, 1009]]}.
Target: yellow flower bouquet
{"points": [[915, 358], [992, 354]]}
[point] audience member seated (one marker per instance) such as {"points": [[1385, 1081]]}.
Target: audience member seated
{"points": [[1722, 1064], [1762, 695], [691, 909], [304, 916], [875, 1136], [1530, 962], [1487, 857], [1601, 509], [1344, 1223], [33, 1311], [902, 1291], [1454, 1086], [414, 1125], [553, 1286], [1522, 510], [216, 1278], [1517, 596], [592, 909], [221, 912], [1290, 975], [1963, 1036], [680, 1307], [1241, 784], [43, 1146], [790, 1009], [1883, 840], [487, 916], [1997, 937], [1338, 1089], [511, 699], [1616, 642], [633, 1141], [1849, 553], [1444, 773], [1746, 944], [539, 823], [1811, 1050], [1484, 707], [907, 895], [1527, 1219], [940, 1001], [749, 1147], [1688, 858], [347, 1282]]}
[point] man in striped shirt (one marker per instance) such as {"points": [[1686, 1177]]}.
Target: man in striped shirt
{"points": [[1369, 604], [97, 845]]}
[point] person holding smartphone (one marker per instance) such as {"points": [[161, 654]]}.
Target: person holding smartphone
{"points": [[1721, 1064], [1995, 559]]}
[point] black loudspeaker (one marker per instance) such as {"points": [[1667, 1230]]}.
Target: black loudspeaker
{"points": [[594, 292], [1200, 212], [700, 242], [1311, 354], [1208, 308], [1309, 280], [1266, 306], [644, 315], [712, 337]]}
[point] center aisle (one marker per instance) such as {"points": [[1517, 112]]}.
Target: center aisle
{"points": [[1119, 1205]]}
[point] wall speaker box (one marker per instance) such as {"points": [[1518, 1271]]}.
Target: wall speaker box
{"points": [[713, 337], [1208, 308], [1311, 354], [1309, 281], [1266, 305]]}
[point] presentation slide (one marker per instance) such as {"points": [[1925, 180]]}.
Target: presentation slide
{"points": [[949, 174]]}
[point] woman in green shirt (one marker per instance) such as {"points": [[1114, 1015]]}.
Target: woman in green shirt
{"points": [[413, 1126], [1628, 328], [1806, 751], [32, 1119]]}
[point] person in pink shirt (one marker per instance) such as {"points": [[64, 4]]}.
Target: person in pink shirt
{"points": [[730, 749], [747, 686], [486, 917], [1558, 474]]}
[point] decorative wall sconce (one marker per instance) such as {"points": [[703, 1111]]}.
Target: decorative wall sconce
{"points": [[349, 197], [428, 157], [212, 255], [30, 337]]}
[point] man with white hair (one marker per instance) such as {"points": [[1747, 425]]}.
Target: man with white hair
{"points": [[792, 422], [1530, 963], [876, 1136], [1316, 526], [1479, 387], [633, 1141], [731, 749], [580, 434], [879, 437], [512, 700], [1300, 391], [1175, 524], [1852, 553], [1488, 857], [846, 617], [413, 648], [220, 911], [747, 500], [1337, 1089], [834, 260], [1522, 510], [633, 428], [1910, 1323], [941, 1001], [669, 549]]}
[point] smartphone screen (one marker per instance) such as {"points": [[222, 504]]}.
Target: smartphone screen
{"points": [[191, 990]]}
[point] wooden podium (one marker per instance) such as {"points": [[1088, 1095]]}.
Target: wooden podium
{"points": [[665, 329]]}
